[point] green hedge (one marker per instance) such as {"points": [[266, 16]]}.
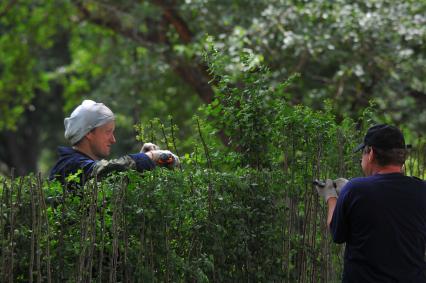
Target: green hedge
{"points": [[165, 226], [244, 212], [190, 225]]}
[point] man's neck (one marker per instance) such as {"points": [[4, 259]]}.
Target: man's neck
{"points": [[387, 169], [83, 149]]}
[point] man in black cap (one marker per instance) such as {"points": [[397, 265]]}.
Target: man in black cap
{"points": [[380, 217]]}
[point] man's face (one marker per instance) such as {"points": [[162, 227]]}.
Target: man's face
{"points": [[101, 139]]}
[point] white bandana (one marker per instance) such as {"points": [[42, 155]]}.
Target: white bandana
{"points": [[84, 118]]}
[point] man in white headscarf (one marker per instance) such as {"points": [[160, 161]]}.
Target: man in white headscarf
{"points": [[90, 130]]}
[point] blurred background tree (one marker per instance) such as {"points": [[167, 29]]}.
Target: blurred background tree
{"points": [[144, 59]]}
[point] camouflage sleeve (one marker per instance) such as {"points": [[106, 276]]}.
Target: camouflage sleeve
{"points": [[104, 167]]}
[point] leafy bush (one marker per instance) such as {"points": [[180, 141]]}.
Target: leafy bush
{"points": [[244, 211]]}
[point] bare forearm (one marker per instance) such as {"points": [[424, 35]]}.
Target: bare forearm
{"points": [[331, 204], [149, 154]]}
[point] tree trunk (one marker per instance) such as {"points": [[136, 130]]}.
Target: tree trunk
{"points": [[21, 148]]}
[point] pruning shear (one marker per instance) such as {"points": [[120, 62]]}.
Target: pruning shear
{"points": [[322, 184]]}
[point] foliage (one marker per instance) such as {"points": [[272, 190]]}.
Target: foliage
{"points": [[162, 226], [195, 224], [254, 113], [27, 34], [224, 216], [346, 51], [242, 207], [145, 59]]}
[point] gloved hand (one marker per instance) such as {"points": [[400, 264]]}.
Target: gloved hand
{"points": [[339, 183], [164, 158], [327, 191], [148, 147]]}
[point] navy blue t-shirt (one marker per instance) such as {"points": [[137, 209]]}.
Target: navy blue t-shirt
{"points": [[70, 161], [382, 220]]}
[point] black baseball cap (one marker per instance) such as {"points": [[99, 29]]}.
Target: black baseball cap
{"points": [[383, 136]]}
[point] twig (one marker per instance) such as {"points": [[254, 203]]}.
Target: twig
{"points": [[37, 228], [125, 236], [153, 139], [92, 226], [102, 219], [174, 141], [12, 227], [33, 229], [206, 150], [2, 232], [163, 131], [46, 219]]}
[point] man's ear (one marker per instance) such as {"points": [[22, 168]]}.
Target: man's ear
{"points": [[90, 135], [372, 154]]}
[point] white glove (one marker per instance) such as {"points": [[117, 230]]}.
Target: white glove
{"points": [[339, 183], [148, 147], [327, 191], [164, 158]]}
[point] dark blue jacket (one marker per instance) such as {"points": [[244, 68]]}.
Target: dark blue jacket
{"points": [[71, 160]]}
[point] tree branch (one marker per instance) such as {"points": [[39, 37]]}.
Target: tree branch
{"points": [[8, 7], [114, 23], [195, 75], [173, 18], [419, 96]]}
